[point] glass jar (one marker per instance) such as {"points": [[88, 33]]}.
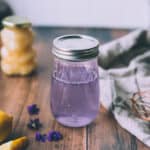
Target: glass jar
{"points": [[75, 85], [17, 55]]}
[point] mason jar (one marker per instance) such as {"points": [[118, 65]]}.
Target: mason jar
{"points": [[74, 84]]}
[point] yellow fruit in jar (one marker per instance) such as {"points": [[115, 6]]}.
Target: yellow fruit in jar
{"points": [[18, 69], [18, 144], [5, 125], [16, 39], [27, 69], [9, 68], [20, 57]]}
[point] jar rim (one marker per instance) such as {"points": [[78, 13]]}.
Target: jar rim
{"points": [[75, 47], [16, 21]]}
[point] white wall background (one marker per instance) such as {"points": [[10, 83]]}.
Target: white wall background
{"points": [[93, 13]]}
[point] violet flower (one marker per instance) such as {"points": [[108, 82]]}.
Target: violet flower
{"points": [[33, 109], [34, 124], [40, 137], [54, 136], [43, 138]]}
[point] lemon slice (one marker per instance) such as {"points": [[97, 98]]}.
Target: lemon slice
{"points": [[17, 144], [5, 125]]}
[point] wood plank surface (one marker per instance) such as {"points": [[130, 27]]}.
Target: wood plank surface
{"points": [[16, 93]]}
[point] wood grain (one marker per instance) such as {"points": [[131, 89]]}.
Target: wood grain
{"points": [[106, 134], [16, 93]]}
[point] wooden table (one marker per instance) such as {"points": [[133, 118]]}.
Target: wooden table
{"points": [[16, 93]]}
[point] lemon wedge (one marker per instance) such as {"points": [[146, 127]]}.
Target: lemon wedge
{"points": [[5, 125], [17, 144]]}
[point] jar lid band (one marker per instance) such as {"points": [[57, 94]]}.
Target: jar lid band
{"points": [[16, 21], [75, 47]]}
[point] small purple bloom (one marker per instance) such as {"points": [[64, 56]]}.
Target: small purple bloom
{"points": [[40, 137], [43, 138], [54, 136], [33, 109], [34, 124], [49, 136]]}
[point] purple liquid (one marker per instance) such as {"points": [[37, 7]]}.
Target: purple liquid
{"points": [[75, 96]]}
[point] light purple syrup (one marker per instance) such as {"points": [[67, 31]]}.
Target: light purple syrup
{"points": [[75, 95]]}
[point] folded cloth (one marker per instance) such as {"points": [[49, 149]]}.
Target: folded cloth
{"points": [[124, 66]]}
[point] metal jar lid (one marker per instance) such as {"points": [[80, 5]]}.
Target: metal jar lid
{"points": [[75, 47], [16, 21]]}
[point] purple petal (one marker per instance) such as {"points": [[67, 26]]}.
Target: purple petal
{"points": [[54, 136], [33, 109], [49, 137], [34, 124], [43, 138], [38, 136]]}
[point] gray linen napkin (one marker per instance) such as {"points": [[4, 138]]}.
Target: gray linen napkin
{"points": [[124, 66]]}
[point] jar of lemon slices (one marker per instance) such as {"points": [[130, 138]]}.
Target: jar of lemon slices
{"points": [[17, 54]]}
